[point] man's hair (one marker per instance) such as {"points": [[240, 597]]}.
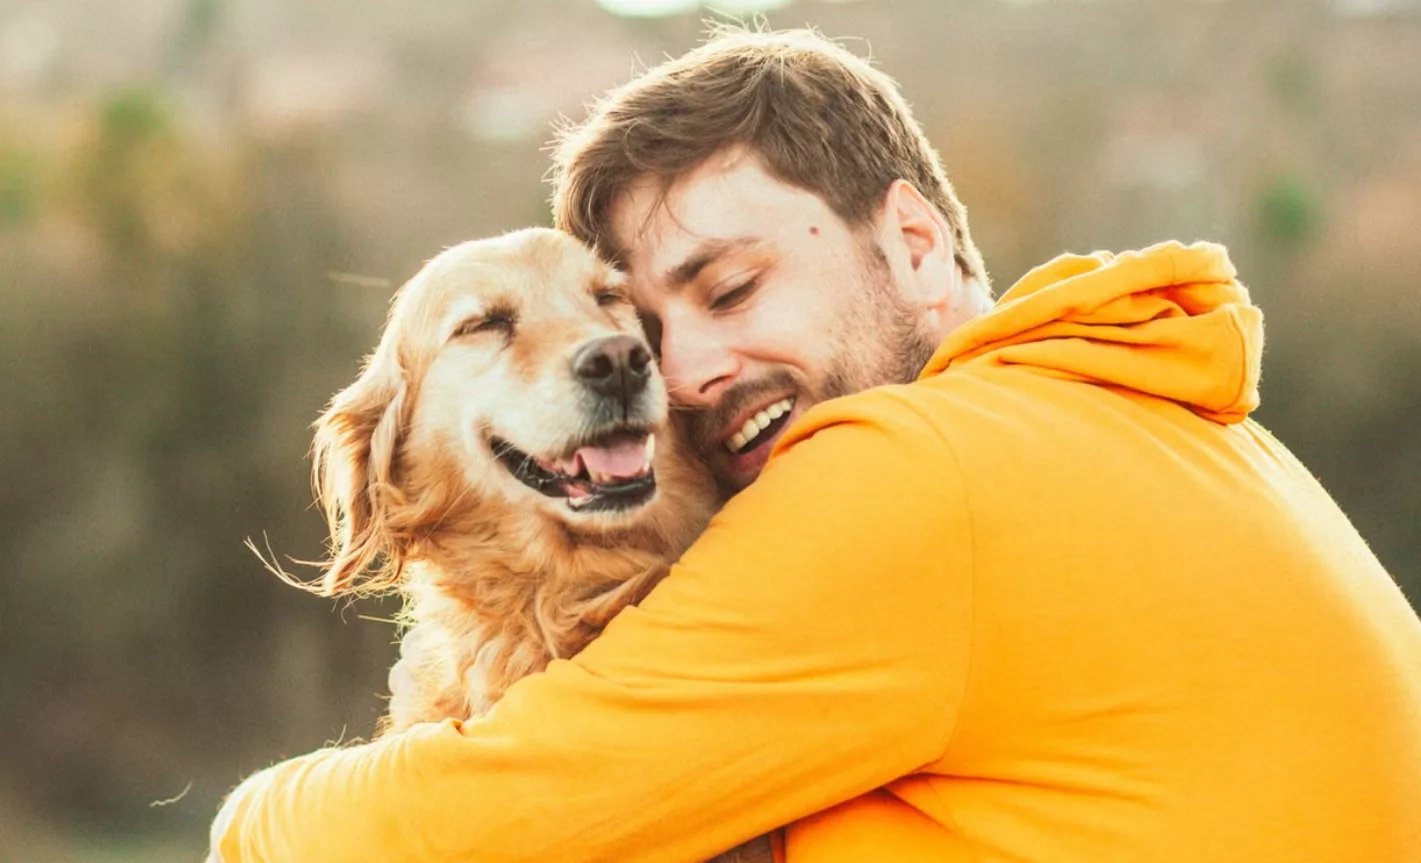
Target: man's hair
{"points": [[819, 117]]}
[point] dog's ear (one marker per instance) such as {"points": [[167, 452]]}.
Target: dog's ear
{"points": [[353, 473]]}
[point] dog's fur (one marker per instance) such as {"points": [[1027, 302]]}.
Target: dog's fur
{"points": [[498, 579]]}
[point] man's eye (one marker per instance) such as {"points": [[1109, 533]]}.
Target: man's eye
{"points": [[491, 322], [735, 296]]}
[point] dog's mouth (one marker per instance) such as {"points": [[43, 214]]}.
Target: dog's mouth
{"points": [[611, 472]]}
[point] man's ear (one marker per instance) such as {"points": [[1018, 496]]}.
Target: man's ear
{"points": [[915, 227]]}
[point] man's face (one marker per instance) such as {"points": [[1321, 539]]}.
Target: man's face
{"points": [[761, 302]]}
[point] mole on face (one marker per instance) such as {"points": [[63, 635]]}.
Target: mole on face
{"points": [[814, 230]]}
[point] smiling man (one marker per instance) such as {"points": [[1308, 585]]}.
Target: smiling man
{"points": [[1016, 582], [834, 320]]}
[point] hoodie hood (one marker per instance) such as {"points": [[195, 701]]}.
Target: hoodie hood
{"points": [[1169, 321]]}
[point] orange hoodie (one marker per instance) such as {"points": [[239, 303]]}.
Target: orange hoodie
{"points": [[1059, 600]]}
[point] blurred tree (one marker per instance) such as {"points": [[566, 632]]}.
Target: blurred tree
{"points": [[129, 175], [152, 433], [19, 185], [196, 30], [1294, 81], [1288, 213]]}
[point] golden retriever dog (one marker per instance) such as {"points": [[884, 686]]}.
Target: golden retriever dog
{"points": [[505, 460]]}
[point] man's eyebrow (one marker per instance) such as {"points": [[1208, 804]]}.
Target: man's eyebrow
{"points": [[703, 256]]}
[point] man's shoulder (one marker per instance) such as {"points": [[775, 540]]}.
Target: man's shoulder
{"points": [[899, 410], [933, 412], [946, 405]]}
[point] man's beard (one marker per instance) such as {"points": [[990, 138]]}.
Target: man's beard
{"points": [[880, 339], [883, 339]]}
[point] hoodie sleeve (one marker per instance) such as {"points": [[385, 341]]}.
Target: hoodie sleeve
{"points": [[810, 647]]}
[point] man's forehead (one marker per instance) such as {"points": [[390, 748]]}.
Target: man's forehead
{"points": [[654, 219], [722, 206]]}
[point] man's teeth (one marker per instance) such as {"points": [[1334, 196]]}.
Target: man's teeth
{"points": [[757, 423]]}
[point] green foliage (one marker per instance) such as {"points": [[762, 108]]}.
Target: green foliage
{"points": [[1293, 82], [129, 172], [132, 118], [157, 408], [19, 186], [1288, 212]]}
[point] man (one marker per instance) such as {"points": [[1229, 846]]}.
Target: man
{"points": [[1057, 600]]}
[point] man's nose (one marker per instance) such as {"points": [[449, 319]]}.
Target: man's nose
{"points": [[613, 366], [696, 366]]}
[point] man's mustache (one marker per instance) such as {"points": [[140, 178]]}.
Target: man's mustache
{"points": [[704, 427]]}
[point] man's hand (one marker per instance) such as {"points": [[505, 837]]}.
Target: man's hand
{"points": [[219, 828], [401, 680], [424, 685]]}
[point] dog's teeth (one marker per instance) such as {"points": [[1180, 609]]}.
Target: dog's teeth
{"points": [[650, 448]]}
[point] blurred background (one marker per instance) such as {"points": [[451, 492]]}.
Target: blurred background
{"points": [[205, 205]]}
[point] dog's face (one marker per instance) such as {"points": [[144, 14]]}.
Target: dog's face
{"points": [[536, 373], [512, 372]]}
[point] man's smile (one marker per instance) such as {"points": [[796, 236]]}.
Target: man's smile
{"points": [[757, 424], [739, 452]]}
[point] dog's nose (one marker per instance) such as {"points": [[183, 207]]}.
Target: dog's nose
{"points": [[613, 366]]}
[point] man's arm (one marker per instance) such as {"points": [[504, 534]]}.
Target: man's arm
{"points": [[810, 647]]}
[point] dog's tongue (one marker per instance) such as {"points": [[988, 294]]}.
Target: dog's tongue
{"points": [[622, 459]]}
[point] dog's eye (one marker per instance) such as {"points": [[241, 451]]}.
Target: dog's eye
{"points": [[493, 321], [609, 296]]}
